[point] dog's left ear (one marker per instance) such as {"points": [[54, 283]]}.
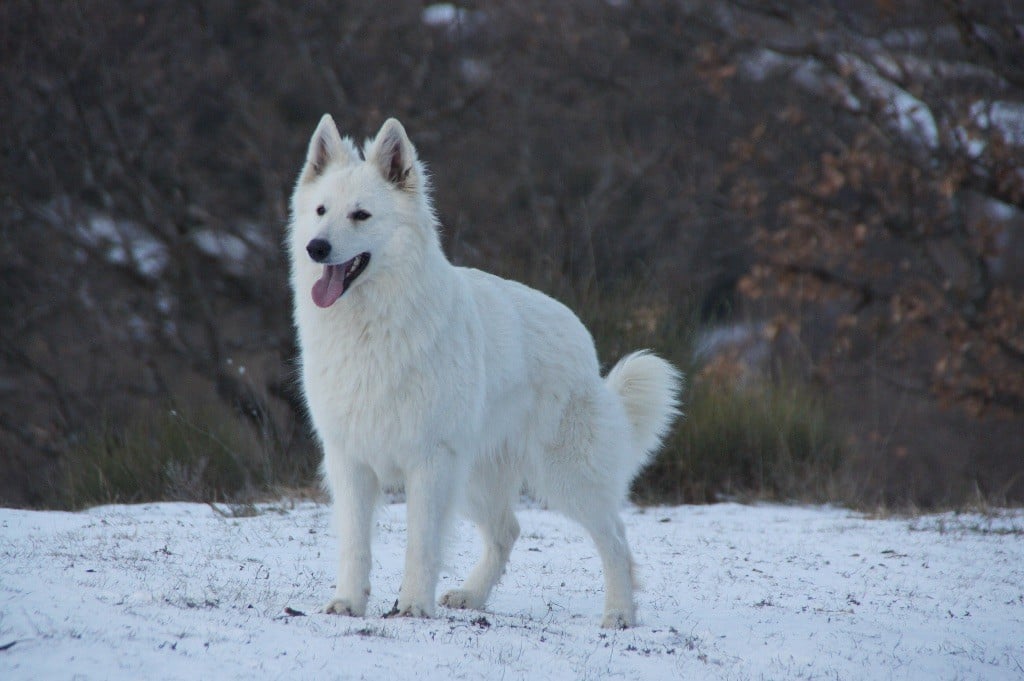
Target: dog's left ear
{"points": [[394, 155]]}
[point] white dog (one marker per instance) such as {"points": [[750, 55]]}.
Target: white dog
{"points": [[459, 384]]}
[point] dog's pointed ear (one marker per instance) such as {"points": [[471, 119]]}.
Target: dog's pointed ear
{"points": [[394, 155], [326, 147]]}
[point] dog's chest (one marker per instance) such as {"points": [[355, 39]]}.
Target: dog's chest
{"points": [[371, 394]]}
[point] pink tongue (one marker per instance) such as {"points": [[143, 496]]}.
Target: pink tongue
{"points": [[329, 287]]}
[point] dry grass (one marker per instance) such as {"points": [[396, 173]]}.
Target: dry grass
{"points": [[204, 453], [764, 441]]}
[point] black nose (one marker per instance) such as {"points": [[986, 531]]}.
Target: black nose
{"points": [[319, 249]]}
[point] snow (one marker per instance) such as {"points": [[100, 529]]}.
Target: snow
{"points": [[170, 591], [221, 245], [231, 250], [806, 72], [761, 64], [126, 244], [123, 242], [455, 22], [921, 38], [1007, 118], [442, 14], [911, 117], [475, 71]]}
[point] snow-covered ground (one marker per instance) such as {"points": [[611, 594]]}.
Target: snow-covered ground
{"points": [[729, 592]]}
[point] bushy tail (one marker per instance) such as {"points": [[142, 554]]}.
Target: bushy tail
{"points": [[649, 388]]}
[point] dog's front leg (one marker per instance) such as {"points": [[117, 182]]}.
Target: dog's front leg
{"points": [[428, 490], [354, 487]]}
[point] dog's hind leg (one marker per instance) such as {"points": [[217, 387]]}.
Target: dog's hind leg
{"points": [[605, 527], [584, 480], [489, 506], [597, 511], [354, 487]]}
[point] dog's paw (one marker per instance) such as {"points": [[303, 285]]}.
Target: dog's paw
{"points": [[343, 606], [618, 619], [411, 610], [462, 599]]}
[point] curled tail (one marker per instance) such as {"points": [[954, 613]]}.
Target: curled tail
{"points": [[649, 388]]}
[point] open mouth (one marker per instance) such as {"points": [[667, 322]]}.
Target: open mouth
{"points": [[337, 278]]}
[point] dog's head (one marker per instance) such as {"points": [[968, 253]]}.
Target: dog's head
{"points": [[353, 214]]}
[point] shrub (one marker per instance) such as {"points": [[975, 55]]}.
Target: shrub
{"points": [[753, 437], [202, 454], [767, 440]]}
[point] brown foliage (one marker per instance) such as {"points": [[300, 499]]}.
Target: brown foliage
{"points": [[883, 248]]}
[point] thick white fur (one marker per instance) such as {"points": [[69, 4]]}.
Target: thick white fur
{"points": [[457, 383]]}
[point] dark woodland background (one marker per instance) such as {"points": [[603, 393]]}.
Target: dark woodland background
{"points": [[816, 208]]}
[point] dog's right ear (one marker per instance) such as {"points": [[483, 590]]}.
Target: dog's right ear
{"points": [[395, 157], [325, 148]]}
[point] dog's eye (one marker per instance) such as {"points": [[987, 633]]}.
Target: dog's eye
{"points": [[359, 215], [320, 210]]}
